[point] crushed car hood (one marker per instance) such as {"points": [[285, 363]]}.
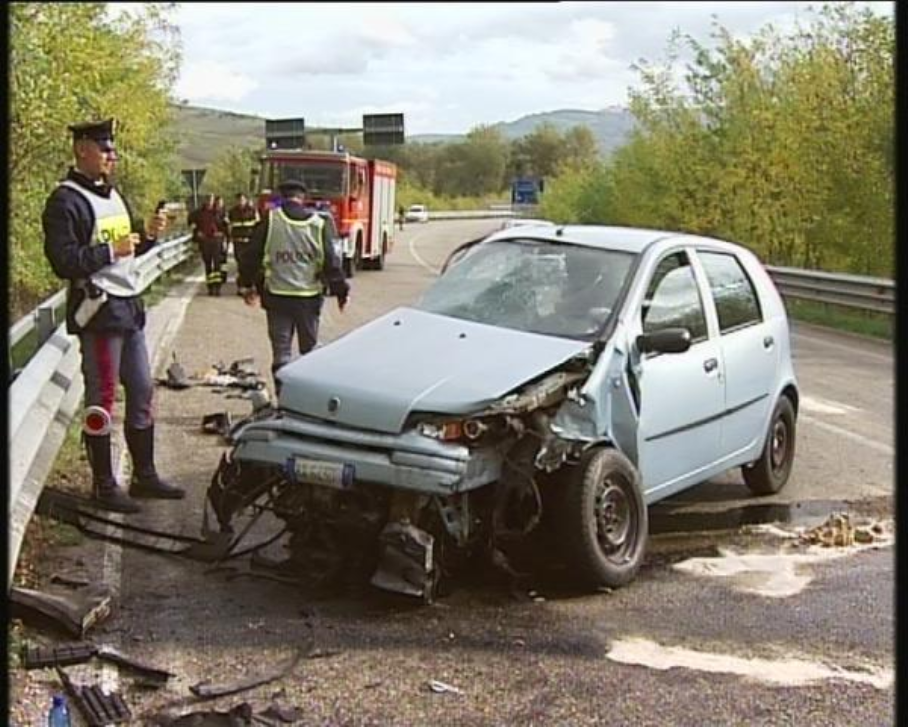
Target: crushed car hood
{"points": [[409, 360]]}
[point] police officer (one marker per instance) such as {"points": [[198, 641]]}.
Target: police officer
{"points": [[290, 259], [92, 240]]}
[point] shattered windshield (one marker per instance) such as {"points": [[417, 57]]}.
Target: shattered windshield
{"points": [[321, 178], [555, 289]]}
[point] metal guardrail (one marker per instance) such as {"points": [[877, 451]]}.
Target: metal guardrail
{"points": [[45, 396], [875, 295], [469, 215]]}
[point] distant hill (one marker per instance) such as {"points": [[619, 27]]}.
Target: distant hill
{"points": [[610, 126], [204, 133]]}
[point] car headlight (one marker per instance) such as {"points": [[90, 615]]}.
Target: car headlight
{"points": [[462, 430]]}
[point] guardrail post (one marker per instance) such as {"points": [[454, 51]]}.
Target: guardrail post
{"points": [[45, 323]]}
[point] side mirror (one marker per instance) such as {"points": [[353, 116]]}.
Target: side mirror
{"points": [[668, 340]]}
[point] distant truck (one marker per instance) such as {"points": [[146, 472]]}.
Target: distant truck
{"points": [[526, 190], [359, 193]]}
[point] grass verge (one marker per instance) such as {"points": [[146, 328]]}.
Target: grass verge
{"points": [[842, 319]]}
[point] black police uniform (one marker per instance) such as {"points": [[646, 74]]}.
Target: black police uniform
{"points": [[104, 308]]}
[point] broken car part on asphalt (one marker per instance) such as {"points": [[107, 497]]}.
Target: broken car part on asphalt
{"points": [[206, 690], [97, 707], [74, 613], [79, 512], [39, 657]]}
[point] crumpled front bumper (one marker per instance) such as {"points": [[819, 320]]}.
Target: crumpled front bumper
{"points": [[408, 461]]}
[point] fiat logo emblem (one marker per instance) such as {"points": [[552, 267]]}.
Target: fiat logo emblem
{"points": [[333, 404]]}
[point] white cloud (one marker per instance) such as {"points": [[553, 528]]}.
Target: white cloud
{"points": [[212, 81], [446, 66]]}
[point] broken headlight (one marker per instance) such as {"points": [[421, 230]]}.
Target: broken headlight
{"points": [[469, 430]]}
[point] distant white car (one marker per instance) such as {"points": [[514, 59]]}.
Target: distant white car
{"points": [[417, 213], [524, 221]]}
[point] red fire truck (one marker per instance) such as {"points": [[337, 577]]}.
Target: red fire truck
{"points": [[360, 194]]}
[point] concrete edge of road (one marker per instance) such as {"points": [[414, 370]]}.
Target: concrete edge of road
{"points": [[163, 321]]}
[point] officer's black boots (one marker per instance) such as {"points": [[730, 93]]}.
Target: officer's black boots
{"points": [[145, 479], [107, 493]]}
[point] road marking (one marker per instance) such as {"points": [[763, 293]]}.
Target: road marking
{"points": [[791, 671], [112, 570], [825, 406], [412, 247], [860, 439], [855, 349]]}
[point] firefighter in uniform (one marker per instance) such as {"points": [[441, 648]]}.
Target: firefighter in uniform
{"points": [[243, 216], [290, 260], [209, 231], [92, 240]]}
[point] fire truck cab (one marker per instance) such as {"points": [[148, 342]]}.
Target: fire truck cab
{"points": [[359, 193]]}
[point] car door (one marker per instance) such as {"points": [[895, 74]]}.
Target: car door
{"points": [[681, 394], [748, 347]]}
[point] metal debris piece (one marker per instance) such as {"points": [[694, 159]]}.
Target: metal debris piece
{"points": [[406, 565], [176, 375], [75, 613], [287, 715], [206, 690], [442, 688], [151, 675], [218, 423], [98, 708]]}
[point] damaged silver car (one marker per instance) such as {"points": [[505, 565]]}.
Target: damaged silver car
{"points": [[572, 375]]}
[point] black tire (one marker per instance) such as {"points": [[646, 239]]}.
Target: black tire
{"points": [[604, 548], [358, 253], [770, 472], [349, 267]]}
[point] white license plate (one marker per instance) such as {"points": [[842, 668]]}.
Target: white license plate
{"points": [[319, 472]]}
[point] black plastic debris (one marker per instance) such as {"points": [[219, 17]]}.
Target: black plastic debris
{"points": [[406, 563], [97, 707], [41, 657], [239, 716], [176, 376], [206, 690], [287, 715]]}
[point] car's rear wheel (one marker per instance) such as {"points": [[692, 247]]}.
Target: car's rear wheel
{"points": [[603, 521], [770, 472]]}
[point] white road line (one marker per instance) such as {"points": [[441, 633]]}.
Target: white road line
{"points": [[793, 671], [856, 349], [412, 247], [113, 554], [867, 442], [818, 405]]}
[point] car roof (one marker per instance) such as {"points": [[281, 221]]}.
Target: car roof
{"points": [[625, 239]]}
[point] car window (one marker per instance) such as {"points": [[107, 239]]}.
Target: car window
{"points": [[736, 298], [673, 299], [555, 289]]}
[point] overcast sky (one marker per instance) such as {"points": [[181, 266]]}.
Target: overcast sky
{"points": [[446, 66]]}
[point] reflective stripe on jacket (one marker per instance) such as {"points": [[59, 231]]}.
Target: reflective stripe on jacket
{"points": [[112, 222], [294, 255]]}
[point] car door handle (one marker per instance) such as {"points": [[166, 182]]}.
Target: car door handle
{"points": [[710, 364]]}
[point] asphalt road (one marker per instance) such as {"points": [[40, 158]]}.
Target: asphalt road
{"points": [[798, 638]]}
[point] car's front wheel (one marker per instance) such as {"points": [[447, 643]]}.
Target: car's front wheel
{"points": [[603, 522], [769, 474]]}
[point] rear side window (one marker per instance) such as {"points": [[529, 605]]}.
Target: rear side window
{"points": [[673, 299], [736, 298]]}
